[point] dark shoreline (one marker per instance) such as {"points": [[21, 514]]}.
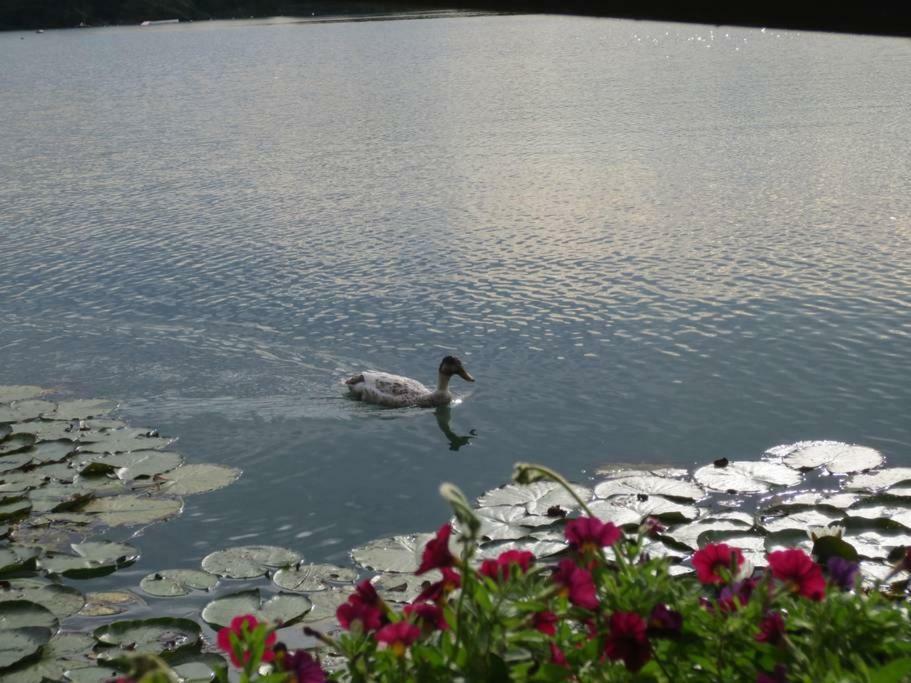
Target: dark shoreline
{"points": [[874, 18]]}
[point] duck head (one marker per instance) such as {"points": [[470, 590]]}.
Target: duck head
{"points": [[453, 366]]}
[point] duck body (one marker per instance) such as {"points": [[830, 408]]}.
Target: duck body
{"points": [[395, 391]]}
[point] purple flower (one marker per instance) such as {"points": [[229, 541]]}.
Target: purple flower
{"points": [[842, 572], [664, 622]]}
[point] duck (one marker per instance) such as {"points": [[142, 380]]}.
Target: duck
{"points": [[395, 391]]}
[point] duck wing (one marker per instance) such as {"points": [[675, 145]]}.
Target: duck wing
{"points": [[387, 389]]}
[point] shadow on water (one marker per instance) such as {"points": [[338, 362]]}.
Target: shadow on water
{"points": [[444, 420]]}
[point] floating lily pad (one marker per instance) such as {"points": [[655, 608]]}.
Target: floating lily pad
{"points": [[690, 534], [157, 636], [129, 510], [325, 603], [746, 477], [16, 443], [93, 558], [58, 498], [19, 411], [875, 544], [13, 462], [882, 479], [52, 451], [200, 478], [81, 409], [9, 393], [814, 500], [312, 577], [5, 430], [401, 587], [899, 491], [396, 554], [649, 484], [25, 627], [132, 465], [14, 559], [838, 458], [801, 521], [92, 674], [247, 562], [196, 667], [540, 547], [628, 510], [504, 522], [170, 583], [536, 498], [120, 441], [62, 601], [64, 651], [283, 608], [890, 515], [14, 510], [109, 603]]}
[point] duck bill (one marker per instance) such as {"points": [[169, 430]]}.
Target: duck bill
{"points": [[463, 373]]}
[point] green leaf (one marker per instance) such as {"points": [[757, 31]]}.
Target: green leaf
{"points": [[109, 603], [283, 608], [120, 441], [649, 484], [15, 444], [156, 636], [81, 409], [827, 547], [395, 554], [130, 510], [62, 601], [93, 558], [746, 477], [537, 498], [198, 478], [14, 559], [170, 583], [896, 671], [247, 562], [836, 457], [19, 411], [132, 465], [64, 651], [882, 479], [312, 577], [19, 644], [20, 392]]}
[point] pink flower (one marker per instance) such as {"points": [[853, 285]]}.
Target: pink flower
{"points": [[398, 637], [576, 584], [651, 527], [241, 629], [799, 573], [545, 622], [501, 569], [771, 629], [737, 595], [714, 557], [356, 614], [439, 591], [664, 622], [366, 593], [627, 640], [557, 657], [304, 667], [436, 552], [590, 534], [427, 615]]}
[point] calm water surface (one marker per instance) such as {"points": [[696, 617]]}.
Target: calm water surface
{"points": [[649, 242]]}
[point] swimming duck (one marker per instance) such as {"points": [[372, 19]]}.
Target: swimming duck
{"points": [[395, 391]]}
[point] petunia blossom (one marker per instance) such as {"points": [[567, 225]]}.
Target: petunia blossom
{"points": [[557, 656], [356, 614], [398, 637], [503, 567], [576, 584], [627, 640], [436, 553], [440, 590], [798, 572], [545, 622], [427, 615], [304, 667], [590, 534], [771, 629], [777, 676], [241, 628], [736, 595], [664, 622], [712, 558], [842, 572]]}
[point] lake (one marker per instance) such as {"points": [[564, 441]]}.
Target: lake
{"points": [[650, 243]]}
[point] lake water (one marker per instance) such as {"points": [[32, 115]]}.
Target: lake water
{"points": [[649, 243]]}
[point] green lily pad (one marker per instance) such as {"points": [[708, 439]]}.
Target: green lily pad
{"points": [[325, 603], [16, 443], [890, 514], [109, 603], [813, 500], [649, 484], [312, 577], [196, 667], [19, 411], [395, 554], [283, 608], [199, 478], [689, 535], [5, 430], [158, 635], [537, 498], [58, 538], [509, 522], [52, 451], [58, 498], [15, 559], [247, 562], [14, 510], [62, 601], [16, 614], [170, 583], [64, 651], [540, 547], [121, 441], [10, 393], [875, 544], [81, 409], [746, 476], [875, 481], [92, 674], [130, 510], [25, 627], [837, 457], [400, 587], [132, 465], [627, 510], [93, 558], [801, 521], [13, 462]]}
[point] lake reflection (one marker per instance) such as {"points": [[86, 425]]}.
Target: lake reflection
{"points": [[649, 242]]}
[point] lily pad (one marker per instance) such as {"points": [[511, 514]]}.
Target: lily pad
{"points": [[801, 521], [875, 544], [170, 583], [649, 484], [540, 547], [132, 465], [813, 500], [882, 479], [130, 510], [19, 411], [627, 510], [14, 559], [121, 441], [25, 627], [92, 558], [690, 534], [81, 409], [197, 667], [20, 392], [58, 498], [16, 443], [395, 554], [47, 430], [504, 522], [64, 651], [62, 601], [401, 587], [537, 498], [199, 478], [52, 451], [890, 514], [91, 674], [312, 577], [837, 457], [157, 636], [13, 462], [14, 510], [109, 603], [746, 477], [247, 562], [325, 603], [283, 608]]}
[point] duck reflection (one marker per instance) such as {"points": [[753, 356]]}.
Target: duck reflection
{"points": [[444, 418]]}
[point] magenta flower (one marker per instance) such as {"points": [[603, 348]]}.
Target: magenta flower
{"points": [[436, 552], [737, 595], [545, 622], [428, 616], [627, 640], [398, 637], [356, 614], [664, 622], [366, 593], [556, 656], [712, 558], [798, 572], [652, 527], [777, 676], [439, 591], [771, 629], [501, 569], [576, 584], [304, 667], [241, 627], [590, 534]]}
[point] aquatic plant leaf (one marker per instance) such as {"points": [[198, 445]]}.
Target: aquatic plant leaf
{"points": [[14, 510], [14, 559], [20, 411], [14, 444], [812, 499], [55, 498], [283, 608], [13, 462], [80, 409], [875, 481], [52, 451], [64, 651], [92, 558], [5, 430], [62, 601], [198, 478], [19, 392], [247, 562], [109, 603], [196, 667], [130, 510], [21, 643], [325, 603], [891, 514], [120, 441], [875, 544], [15, 614], [157, 636], [395, 554], [540, 547], [689, 534], [801, 521], [131, 465], [401, 587], [638, 508], [746, 477], [47, 430], [837, 457], [312, 577], [170, 583], [537, 498], [651, 485], [503, 522], [92, 674]]}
